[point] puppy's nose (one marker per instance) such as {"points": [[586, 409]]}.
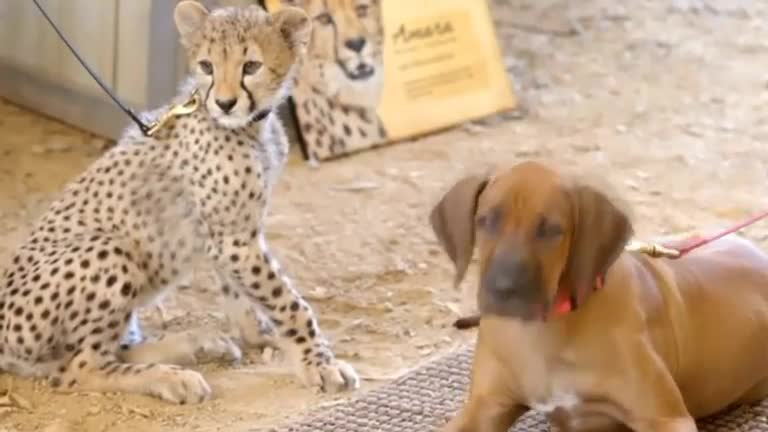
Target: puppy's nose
{"points": [[226, 105], [508, 276], [355, 44]]}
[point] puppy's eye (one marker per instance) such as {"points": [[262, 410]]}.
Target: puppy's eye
{"points": [[488, 221], [324, 18], [548, 229], [362, 11], [251, 67], [481, 221], [205, 66]]}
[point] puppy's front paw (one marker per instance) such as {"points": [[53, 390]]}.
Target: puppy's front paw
{"points": [[455, 424]]}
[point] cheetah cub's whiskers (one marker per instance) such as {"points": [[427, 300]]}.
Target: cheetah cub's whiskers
{"points": [[136, 221]]}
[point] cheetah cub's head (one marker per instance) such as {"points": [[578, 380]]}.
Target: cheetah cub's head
{"points": [[241, 58]]}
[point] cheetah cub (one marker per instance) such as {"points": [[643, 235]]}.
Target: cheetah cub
{"points": [[124, 231]]}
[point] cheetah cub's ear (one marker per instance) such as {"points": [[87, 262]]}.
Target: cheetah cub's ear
{"points": [[295, 27], [189, 16]]}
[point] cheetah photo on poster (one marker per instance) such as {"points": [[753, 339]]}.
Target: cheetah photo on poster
{"points": [[339, 83]]}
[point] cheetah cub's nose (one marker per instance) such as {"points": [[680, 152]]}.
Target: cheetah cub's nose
{"points": [[226, 105], [356, 44]]}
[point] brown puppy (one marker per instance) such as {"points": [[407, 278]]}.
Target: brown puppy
{"points": [[638, 343]]}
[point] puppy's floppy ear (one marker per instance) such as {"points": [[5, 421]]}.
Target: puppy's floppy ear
{"points": [[189, 17], [453, 222], [601, 231]]}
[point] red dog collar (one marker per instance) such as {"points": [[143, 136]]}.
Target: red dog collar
{"points": [[565, 301]]}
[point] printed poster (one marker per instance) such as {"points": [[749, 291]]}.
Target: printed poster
{"points": [[380, 71]]}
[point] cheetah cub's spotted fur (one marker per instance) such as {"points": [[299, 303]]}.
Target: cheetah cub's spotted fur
{"points": [[126, 229]]}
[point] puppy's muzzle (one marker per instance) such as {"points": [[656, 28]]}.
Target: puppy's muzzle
{"points": [[510, 288], [508, 277]]}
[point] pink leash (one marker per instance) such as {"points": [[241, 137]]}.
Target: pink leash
{"points": [[699, 241]]}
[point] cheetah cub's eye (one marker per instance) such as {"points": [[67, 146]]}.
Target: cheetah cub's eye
{"points": [[324, 18], [251, 67], [206, 67], [362, 11]]}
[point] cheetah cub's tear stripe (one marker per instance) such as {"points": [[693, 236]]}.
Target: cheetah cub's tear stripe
{"points": [[138, 219]]}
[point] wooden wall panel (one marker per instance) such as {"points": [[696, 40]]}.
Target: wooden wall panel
{"points": [[28, 41], [89, 25], [131, 81]]}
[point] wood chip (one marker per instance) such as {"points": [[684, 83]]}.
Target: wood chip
{"points": [[318, 293], [356, 186], [11, 400], [60, 426], [139, 412]]}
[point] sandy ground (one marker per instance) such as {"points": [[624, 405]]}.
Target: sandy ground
{"points": [[665, 100]]}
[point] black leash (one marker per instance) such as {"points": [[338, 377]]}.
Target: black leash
{"points": [[145, 129]]}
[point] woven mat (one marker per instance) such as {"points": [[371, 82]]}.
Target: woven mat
{"points": [[422, 400]]}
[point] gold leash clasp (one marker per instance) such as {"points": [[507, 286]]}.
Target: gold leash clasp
{"points": [[652, 250], [177, 110]]}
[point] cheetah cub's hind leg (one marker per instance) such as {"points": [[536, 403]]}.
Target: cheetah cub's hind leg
{"points": [[185, 348], [105, 307]]}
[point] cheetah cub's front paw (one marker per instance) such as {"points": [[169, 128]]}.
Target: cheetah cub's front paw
{"points": [[180, 386], [330, 376]]}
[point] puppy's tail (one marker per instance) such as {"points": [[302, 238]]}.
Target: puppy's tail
{"points": [[465, 323]]}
